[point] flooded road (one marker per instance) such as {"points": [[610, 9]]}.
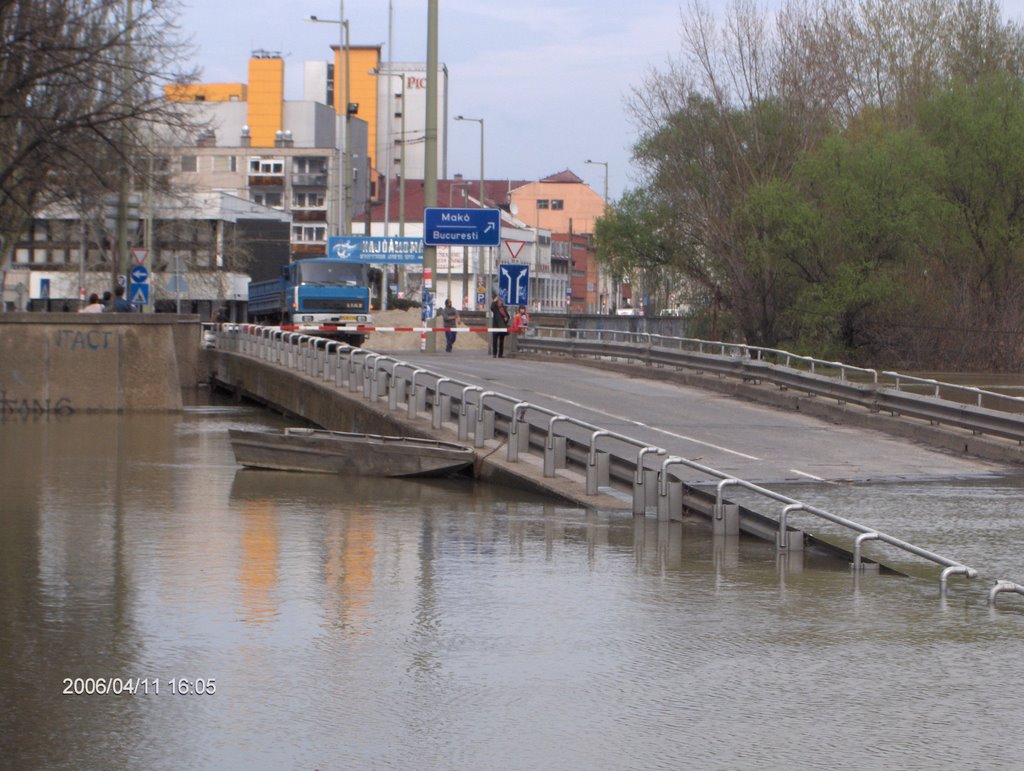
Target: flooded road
{"points": [[270, 620]]}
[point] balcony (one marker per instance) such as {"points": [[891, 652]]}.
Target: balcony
{"points": [[309, 180], [309, 215], [266, 180]]}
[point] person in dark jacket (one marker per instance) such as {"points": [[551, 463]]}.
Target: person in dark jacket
{"points": [[121, 305], [499, 321]]}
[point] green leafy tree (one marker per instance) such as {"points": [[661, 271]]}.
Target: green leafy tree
{"points": [[636, 243]]}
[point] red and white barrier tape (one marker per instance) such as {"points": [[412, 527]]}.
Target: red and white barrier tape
{"points": [[295, 327]]}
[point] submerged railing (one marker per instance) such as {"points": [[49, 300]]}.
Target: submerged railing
{"points": [[648, 471]]}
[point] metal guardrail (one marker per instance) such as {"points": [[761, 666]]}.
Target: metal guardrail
{"points": [[486, 413], [980, 411]]}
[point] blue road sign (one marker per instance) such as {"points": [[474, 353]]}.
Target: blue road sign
{"points": [[461, 227], [427, 305], [139, 274], [138, 294], [377, 250], [514, 283]]}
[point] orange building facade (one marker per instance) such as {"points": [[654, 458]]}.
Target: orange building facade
{"points": [[561, 203]]}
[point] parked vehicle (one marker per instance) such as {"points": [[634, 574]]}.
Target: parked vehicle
{"points": [[320, 295]]}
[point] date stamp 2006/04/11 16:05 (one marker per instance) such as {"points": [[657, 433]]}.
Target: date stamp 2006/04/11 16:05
{"points": [[139, 686]]}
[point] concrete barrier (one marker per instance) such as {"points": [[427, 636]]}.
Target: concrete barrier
{"points": [[61, 363]]}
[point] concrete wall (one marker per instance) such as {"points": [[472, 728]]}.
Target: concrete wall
{"points": [[61, 363]]}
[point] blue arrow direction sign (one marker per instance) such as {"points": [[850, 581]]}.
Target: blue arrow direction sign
{"points": [[514, 283], [390, 250], [461, 227], [138, 294], [139, 274]]}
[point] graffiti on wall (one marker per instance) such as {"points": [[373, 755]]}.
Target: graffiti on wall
{"points": [[10, 406], [77, 340]]}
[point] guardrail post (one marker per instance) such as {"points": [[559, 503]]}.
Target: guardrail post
{"points": [[554, 455], [785, 540], [368, 373], [518, 434], [339, 368], [726, 519], [467, 413], [857, 565], [554, 448], [412, 398], [442, 404], [1003, 586], [598, 474], [355, 375], [597, 465], [670, 496], [483, 427], [645, 481], [962, 570], [395, 390]]}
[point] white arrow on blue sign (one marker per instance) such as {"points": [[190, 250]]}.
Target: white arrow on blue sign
{"points": [[461, 227], [139, 294], [139, 274], [514, 283]]}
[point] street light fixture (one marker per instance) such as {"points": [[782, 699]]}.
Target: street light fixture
{"points": [[344, 175], [605, 164]]}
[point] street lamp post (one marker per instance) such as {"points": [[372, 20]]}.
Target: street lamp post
{"points": [[389, 163], [615, 290], [344, 175], [487, 271], [465, 282]]}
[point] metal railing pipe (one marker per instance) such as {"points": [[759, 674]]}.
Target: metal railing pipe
{"points": [[962, 570], [869, 536]]}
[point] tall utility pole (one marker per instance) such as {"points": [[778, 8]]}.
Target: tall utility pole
{"points": [[430, 161], [615, 290]]}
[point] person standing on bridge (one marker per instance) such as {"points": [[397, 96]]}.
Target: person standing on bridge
{"points": [[451, 318], [94, 306], [499, 322], [121, 305]]}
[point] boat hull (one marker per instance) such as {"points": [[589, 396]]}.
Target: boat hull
{"points": [[337, 452]]}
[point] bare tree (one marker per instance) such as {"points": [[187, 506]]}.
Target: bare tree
{"points": [[80, 100]]}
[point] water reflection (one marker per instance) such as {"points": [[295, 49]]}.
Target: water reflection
{"points": [[357, 623]]}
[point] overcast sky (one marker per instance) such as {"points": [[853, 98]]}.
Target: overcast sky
{"points": [[548, 77]]}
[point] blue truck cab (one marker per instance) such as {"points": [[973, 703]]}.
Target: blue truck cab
{"points": [[320, 295]]}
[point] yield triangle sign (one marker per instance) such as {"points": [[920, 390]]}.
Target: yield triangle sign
{"points": [[514, 247]]}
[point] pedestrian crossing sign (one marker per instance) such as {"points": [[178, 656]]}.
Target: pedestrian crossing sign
{"points": [[138, 294]]}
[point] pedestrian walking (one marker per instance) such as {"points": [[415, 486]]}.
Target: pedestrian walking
{"points": [[450, 317]]}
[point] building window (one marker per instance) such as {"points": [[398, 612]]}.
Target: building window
{"points": [[542, 203], [312, 200], [309, 233], [266, 166], [267, 199], [557, 203], [309, 165], [225, 163], [188, 164]]}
